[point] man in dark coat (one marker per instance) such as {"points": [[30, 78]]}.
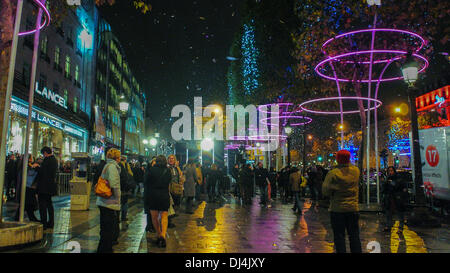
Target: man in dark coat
{"points": [[46, 187], [246, 182], [11, 174], [261, 176]]}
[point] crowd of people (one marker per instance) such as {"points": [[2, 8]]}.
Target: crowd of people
{"points": [[164, 185]]}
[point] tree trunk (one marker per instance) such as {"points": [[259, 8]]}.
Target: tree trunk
{"points": [[6, 25]]}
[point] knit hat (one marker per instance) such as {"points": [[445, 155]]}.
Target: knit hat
{"points": [[343, 157]]}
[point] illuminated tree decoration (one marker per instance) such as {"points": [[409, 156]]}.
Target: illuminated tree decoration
{"points": [[250, 53], [398, 139]]}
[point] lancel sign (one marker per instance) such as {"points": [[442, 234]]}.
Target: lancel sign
{"points": [[50, 95]]}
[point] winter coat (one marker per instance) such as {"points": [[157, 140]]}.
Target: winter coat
{"points": [[199, 176], [394, 193], [246, 177], [341, 185], [261, 176], [191, 180], [297, 181], [111, 172], [46, 178]]}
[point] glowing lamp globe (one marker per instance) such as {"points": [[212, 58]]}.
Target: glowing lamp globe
{"points": [[145, 141], [207, 144], [288, 130], [410, 70], [153, 142], [123, 105]]}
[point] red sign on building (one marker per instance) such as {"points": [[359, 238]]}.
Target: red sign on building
{"points": [[437, 101]]}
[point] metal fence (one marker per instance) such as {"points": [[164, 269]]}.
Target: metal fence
{"points": [[62, 183]]}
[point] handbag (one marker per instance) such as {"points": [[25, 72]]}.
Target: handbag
{"points": [[176, 188], [102, 188]]}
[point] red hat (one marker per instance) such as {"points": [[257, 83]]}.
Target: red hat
{"points": [[343, 157]]}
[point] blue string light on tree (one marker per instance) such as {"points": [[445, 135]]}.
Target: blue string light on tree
{"points": [[250, 71]]}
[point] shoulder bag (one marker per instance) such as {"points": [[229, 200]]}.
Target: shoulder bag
{"points": [[102, 188]]}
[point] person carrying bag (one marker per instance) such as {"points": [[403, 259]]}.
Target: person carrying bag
{"points": [[109, 203]]}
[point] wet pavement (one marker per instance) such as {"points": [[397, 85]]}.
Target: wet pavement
{"points": [[229, 227]]}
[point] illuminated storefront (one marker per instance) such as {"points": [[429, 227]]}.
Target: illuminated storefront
{"points": [[47, 130], [433, 108]]}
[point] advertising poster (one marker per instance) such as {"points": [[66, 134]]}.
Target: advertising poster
{"points": [[434, 153]]}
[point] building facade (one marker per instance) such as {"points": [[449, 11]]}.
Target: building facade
{"points": [[63, 89], [81, 74], [114, 79]]}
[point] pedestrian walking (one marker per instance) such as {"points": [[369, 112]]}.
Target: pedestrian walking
{"points": [[189, 185], [246, 182], [199, 185], [127, 185], [395, 198], [284, 179], [110, 207], [312, 184], [273, 183], [341, 185], [158, 198], [296, 181], [235, 176], [177, 177], [261, 178], [212, 182], [11, 175], [138, 175], [46, 187]]}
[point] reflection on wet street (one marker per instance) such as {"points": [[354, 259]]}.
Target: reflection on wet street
{"points": [[229, 227]]}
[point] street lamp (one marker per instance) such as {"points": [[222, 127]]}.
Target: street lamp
{"points": [[288, 131], [123, 107], [410, 74], [207, 144], [153, 142]]}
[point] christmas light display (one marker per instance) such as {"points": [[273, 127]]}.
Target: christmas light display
{"points": [[44, 24], [378, 104], [250, 54], [306, 120]]}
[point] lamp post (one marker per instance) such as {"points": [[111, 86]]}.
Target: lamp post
{"points": [[288, 131], [420, 215], [123, 107]]}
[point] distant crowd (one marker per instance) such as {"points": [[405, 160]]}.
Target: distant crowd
{"points": [[164, 186]]}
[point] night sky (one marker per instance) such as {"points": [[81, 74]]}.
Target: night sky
{"points": [[178, 50]]}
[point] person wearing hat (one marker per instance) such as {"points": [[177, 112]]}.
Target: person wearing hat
{"points": [[341, 186]]}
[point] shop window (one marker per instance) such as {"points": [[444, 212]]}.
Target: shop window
{"points": [[67, 70], [57, 56], [77, 73], [44, 43], [75, 104]]}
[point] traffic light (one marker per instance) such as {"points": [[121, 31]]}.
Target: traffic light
{"points": [[319, 158]]}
